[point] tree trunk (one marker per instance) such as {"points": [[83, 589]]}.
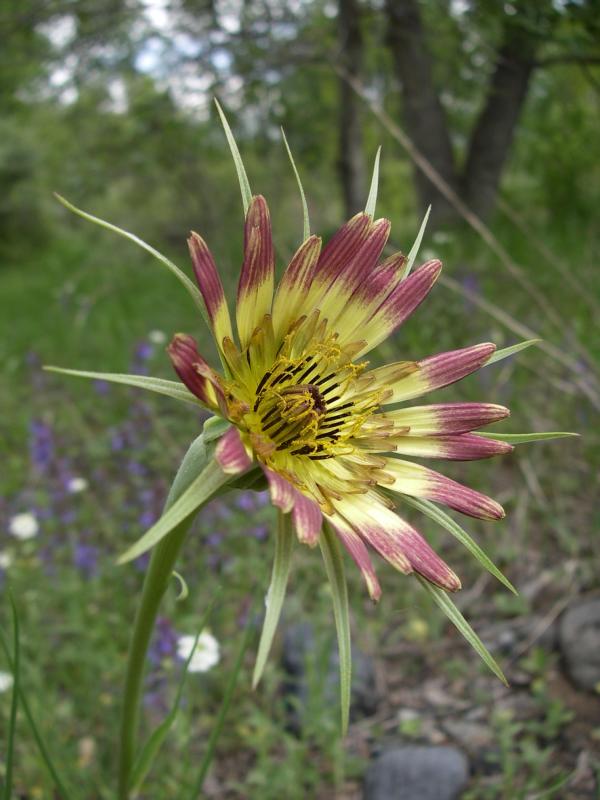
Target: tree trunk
{"points": [[424, 116], [494, 130], [351, 162]]}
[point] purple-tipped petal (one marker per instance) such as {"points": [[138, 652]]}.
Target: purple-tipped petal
{"points": [[446, 368], [211, 286], [446, 418], [342, 246], [255, 287], [282, 492], [194, 371], [455, 447], [307, 519], [399, 305], [359, 553], [231, 454]]}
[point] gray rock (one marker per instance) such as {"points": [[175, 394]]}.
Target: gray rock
{"points": [[312, 668], [579, 639], [417, 773]]}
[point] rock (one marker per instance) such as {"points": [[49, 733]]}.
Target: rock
{"points": [[417, 773], [313, 667], [579, 639]]}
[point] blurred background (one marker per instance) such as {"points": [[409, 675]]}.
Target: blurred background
{"points": [[489, 112]]}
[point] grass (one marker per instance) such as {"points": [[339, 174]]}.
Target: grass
{"points": [[89, 301]]}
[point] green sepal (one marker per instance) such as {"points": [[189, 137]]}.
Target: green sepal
{"points": [[414, 250], [334, 566], [149, 751], [214, 428], [446, 521], [525, 438], [284, 545], [499, 355], [306, 220], [179, 274], [372, 198], [237, 160], [172, 389], [202, 489], [441, 599]]}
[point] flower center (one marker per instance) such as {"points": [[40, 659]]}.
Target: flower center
{"points": [[300, 406]]}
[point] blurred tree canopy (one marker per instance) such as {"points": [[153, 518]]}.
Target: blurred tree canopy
{"points": [[109, 102]]}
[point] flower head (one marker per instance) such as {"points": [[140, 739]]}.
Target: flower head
{"points": [[24, 526], [206, 655], [306, 407]]}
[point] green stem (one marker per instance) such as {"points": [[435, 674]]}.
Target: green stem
{"points": [[156, 582]]}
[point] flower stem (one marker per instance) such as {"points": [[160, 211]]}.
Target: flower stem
{"points": [[158, 575]]}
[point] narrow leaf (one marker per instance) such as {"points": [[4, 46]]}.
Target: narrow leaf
{"points": [[172, 389], [334, 566], [456, 618], [218, 725], [284, 544], [183, 587], [237, 160], [154, 742], [198, 492], [14, 703], [524, 438], [306, 228], [45, 756], [446, 521], [414, 251], [181, 276], [499, 355], [372, 198]]}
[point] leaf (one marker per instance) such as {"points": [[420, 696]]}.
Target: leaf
{"points": [[14, 702], [525, 438], [456, 618], [181, 276], [218, 726], [237, 160], [446, 521], [284, 544], [45, 756], [306, 226], [172, 389], [150, 750], [198, 492], [183, 587], [372, 198], [414, 251], [499, 355], [334, 566]]}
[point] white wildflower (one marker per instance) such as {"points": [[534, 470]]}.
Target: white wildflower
{"points": [[77, 484], [6, 681], [5, 560], [24, 526], [207, 653], [157, 337]]}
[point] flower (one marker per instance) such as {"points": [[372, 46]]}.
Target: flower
{"points": [[305, 406], [6, 682], [157, 337], [76, 485], [24, 526], [5, 560], [206, 655]]}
